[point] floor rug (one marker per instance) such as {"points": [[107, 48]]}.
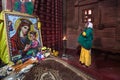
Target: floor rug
{"points": [[55, 69]]}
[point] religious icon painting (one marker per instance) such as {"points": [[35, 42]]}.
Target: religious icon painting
{"points": [[23, 35]]}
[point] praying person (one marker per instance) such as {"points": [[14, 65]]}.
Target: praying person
{"points": [[85, 40]]}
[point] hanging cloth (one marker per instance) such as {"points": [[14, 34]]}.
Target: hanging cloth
{"points": [[29, 7], [4, 50], [26, 7], [17, 6], [23, 8]]}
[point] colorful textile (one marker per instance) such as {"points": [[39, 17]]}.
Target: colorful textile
{"points": [[4, 51], [17, 6], [29, 7], [85, 57], [86, 40], [26, 7]]}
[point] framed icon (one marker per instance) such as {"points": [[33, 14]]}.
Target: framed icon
{"points": [[23, 35]]}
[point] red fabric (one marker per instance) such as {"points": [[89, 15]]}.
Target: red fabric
{"points": [[16, 45], [23, 8]]}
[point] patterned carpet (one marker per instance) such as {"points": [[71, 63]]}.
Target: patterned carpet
{"points": [[55, 69]]}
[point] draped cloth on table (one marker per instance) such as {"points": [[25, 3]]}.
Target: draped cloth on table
{"points": [[4, 50]]}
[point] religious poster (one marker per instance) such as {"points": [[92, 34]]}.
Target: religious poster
{"points": [[24, 6], [23, 35]]}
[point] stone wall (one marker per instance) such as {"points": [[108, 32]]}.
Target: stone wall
{"points": [[106, 37], [106, 13], [71, 24]]}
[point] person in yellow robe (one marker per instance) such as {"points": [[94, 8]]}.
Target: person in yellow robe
{"points": [[85, 40]]}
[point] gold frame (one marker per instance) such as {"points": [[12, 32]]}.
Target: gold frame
{"points": [[14, 16]]}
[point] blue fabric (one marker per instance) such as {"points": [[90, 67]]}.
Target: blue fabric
{"points": [[17, 6]]}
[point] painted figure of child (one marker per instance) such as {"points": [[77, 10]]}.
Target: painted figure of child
{"points": [[33, 44]]}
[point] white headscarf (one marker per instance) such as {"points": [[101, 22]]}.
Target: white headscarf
{"points": [[90, 25]]}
